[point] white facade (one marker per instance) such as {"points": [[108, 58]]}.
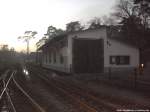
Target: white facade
{"points": [[92, 34], [118, 48], [56, 58], [115, 48]]}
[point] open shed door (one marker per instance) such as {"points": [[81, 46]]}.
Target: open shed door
{"points": [[88, 55]]}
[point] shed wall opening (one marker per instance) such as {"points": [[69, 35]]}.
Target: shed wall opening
{"points": [[88, 55]]}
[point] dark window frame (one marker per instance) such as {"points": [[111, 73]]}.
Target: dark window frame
{"points": [[120, 60], [54, 57], [46, 58], [50, 57], [111, 59], [61, 59]]}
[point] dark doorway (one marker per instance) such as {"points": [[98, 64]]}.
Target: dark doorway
{"points": [[88, 55]]}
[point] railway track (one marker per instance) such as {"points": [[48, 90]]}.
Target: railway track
{"points": [[77, 103], [83, 88], [91, 99], [82, 106], [23, 100], [5, 98], [83, 100], [15, 97]]}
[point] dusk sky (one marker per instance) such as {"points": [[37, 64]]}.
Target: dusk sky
{"points": [[18, 16]]}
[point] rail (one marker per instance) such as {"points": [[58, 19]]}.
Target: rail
{"points": [[6, 85], [35, 104], [5, 92], [85, 105], [9, 98]]}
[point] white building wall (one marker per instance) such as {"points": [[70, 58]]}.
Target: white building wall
{"points": [[116, 48], [57, 65], [89, 34], [119, 48]]}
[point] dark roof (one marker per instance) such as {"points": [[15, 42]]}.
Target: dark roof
{"points": [[89, 29], [53, 40], [114, 32], [61, 36]]}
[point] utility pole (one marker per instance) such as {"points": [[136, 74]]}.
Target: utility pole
{"points": [[26, 37], [28, 47]]}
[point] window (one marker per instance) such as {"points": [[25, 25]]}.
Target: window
{"points": [[49, 57], [54, 57], [120, 60], [61, 59], [63, 43], [124, 60], [46, 56], [112, 59]]}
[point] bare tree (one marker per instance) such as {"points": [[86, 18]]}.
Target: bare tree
{"points": [[142, 8], [124, 9], [134, 23]]}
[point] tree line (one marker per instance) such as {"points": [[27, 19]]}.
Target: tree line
{"points": [[134, 16]]}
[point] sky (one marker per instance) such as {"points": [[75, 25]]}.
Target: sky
{"points": [[18, 16]]}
